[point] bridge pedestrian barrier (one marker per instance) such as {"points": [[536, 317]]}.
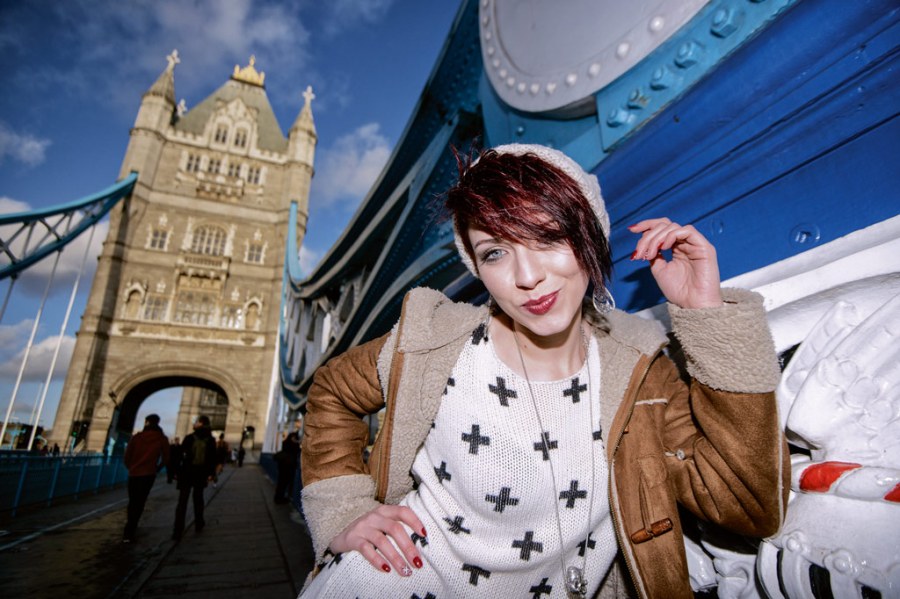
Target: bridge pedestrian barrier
{"points": [[29, 480]]}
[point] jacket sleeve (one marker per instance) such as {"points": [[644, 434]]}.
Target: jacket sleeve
{"points": [[337, 487], [724, 446]]}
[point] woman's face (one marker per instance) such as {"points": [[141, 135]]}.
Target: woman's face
{"points": [[539, 287]]}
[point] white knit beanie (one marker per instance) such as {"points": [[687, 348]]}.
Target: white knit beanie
{"points": [[588, 183]]}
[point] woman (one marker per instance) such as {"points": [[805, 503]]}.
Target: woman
{"points": [[527, 443]]}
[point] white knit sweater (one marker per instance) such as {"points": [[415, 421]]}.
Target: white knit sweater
{"points": [[486, 493]]}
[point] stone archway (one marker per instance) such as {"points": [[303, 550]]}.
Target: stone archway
{"points": [[114, 419]]}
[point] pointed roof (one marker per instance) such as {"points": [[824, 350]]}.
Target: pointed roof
{"points": [[164, 86], [305, 118], [253, 95]]}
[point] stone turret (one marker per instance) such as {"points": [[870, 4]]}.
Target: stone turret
{"points": [[154, 117], [301, 152]]}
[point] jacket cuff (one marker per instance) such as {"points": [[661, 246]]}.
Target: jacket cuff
{"points": [[331, 504], [729, 348]]}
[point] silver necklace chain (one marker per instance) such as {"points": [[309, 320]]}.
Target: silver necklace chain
{"points": [[573, 577]]}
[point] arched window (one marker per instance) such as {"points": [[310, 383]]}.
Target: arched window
{"points": [[209, 240], [221, 134], [240, 138]]}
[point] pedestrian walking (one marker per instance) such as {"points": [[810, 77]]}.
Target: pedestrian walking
{"points": [[286, 459], [196, 468], [240, 457], [223, 452], [145, 455]]}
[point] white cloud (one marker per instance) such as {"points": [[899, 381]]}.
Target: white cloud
{"points": [[346, 171], [25, 148], [309, 259], [344, 14], [113, 49], [39, 358], [11, 206]]}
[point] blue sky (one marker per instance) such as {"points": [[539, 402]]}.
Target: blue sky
{"points": [[73, 73]]}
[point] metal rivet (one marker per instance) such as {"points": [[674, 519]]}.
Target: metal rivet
{"points": [[661, 78], [551, 87], [656, 24], [520, 88], [495, 63], [637, 100], [805, 234], [571, 79], [535, 88], [725, 22], [594, 69], [503, 73], [623, 49], [510, 81], [688, 54], [520, 130], [617, 117], [491, 50], [488, 35]]}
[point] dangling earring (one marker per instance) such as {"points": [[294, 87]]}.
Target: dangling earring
{"points": [[603, 300]]}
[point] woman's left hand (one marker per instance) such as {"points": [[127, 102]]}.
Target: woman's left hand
{"points": [[691, 278]]}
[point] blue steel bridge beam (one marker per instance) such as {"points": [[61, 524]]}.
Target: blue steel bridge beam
{"points": [[55, 226]]}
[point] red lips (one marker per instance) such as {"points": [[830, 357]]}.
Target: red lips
{"points": [[542, 304]]}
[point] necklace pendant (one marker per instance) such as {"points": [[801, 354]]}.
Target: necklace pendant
{"points": [[576, 585]]}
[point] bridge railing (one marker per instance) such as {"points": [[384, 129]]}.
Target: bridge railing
{"points": [[31, 480]]}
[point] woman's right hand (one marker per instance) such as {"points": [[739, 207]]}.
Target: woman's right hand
{"points": [[374, 535]]}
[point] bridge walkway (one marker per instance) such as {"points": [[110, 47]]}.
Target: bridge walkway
{"points": [[250, 546]]}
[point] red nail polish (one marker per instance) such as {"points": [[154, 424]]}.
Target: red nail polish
{"points": [[385, 567], [424, 534], [417, 562], [634, 254]]}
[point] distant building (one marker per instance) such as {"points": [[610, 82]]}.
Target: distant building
{"points": [[187, 290]]}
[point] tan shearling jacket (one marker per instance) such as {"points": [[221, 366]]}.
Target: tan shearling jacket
{"points": [[713, 444]]}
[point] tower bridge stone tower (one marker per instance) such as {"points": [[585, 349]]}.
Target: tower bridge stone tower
{"points": [[187, 290]]}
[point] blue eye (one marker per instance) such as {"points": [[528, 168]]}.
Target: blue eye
{"points": [[491, 255]]}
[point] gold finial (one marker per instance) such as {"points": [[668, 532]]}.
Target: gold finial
{"points": [[249, 74]]}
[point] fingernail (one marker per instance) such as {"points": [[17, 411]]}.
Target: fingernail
{"points": [[424, 534], [417, 562], [632, 226], [406, 571], [385, 567], [634, 254]]}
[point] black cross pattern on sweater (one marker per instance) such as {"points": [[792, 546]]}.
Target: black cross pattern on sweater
{"points": [[502, 392], [336, 559], [589, 542], [427, 596], [572, 494], [598, 434], [541, 589], [451, 382], [527, 545], [502, 500], [456, 526], [480, 334], [545, 445], [575, 391], [474, 573], [442, 473], [417, 538], [474, 439]]}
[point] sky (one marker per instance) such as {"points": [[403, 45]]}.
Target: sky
{"points": [[71, 78]]}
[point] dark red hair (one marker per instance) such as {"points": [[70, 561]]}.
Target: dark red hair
{"points": [[526, 199]]}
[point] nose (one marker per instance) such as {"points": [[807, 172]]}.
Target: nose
{"points": [[529, 268]]}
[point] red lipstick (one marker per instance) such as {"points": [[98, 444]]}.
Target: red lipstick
{"points": [[542, 304]]}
